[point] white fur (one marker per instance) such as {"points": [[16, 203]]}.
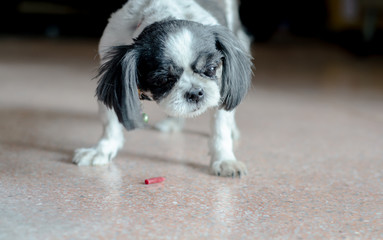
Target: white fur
{"points": [[179, 48], [225, 131], [129, 21], [112, 140], [229, 13], [170, 125], [176, 105], [126, 24]]}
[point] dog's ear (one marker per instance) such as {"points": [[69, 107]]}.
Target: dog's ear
{"points": [[117, 87], [237, 67]]}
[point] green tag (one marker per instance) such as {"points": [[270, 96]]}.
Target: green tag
{"points": [[145, 117]]}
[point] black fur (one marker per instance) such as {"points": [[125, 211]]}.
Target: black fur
{"points": [[237, 68], [156, 72], [117, 87]]}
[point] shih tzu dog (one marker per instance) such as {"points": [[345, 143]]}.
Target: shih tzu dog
{"points": [[187, 56]]}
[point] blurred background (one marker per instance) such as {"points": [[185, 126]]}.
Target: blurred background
{"points": [[354, 24], [318, 44]]}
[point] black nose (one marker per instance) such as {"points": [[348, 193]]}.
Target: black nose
{"points": [[194, 95]]}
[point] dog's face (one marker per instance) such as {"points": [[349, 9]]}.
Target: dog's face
{"points": [[180, 68], [186, 67]]}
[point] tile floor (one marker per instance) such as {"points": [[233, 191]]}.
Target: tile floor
{"points": [[312, 138]]}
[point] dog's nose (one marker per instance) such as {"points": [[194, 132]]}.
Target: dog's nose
{"points": [[194, 95]]}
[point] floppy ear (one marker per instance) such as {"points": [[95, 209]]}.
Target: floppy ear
{"points": [[237, 68], [117, 87]]}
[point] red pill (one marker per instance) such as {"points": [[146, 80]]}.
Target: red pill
{"points": [[154, 180]]}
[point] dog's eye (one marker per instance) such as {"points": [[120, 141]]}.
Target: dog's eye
{"points": [[160, 81], [164, 80], [210, 71]]}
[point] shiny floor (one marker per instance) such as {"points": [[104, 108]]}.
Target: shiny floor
{"points": [[312, 138]]}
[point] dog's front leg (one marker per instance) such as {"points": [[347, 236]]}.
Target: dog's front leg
{"points": [[111, 141], [223, 161]]}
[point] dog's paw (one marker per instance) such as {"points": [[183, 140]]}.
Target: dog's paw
{"points": [[228, 168], [90, 157], [170, 125]]}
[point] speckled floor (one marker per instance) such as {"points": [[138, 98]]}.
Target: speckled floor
{"points": [[312, 138]]}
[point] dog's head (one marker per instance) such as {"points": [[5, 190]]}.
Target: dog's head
{"points": [[184, 66]]}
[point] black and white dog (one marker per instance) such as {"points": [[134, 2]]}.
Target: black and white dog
{"points": [[187, 56]]}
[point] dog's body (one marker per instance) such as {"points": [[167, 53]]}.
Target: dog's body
{"points": [[183, 55]]}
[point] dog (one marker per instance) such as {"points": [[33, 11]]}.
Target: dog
{"points": [[186, 55]]}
